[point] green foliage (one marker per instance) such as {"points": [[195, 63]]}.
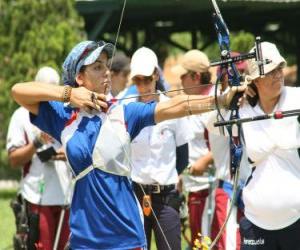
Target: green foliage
{"points": [[32, 34], [240, 41], [184, 39], [7, 225]]}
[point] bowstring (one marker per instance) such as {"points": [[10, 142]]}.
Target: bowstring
{"points": [[232, 203], [236, 176], [123, 146], [161, 92], [118, 33]]}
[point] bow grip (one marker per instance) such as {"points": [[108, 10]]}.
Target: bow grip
{"points": [[234, 101]]}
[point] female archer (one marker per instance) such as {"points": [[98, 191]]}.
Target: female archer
{"points": [[104, 211]]}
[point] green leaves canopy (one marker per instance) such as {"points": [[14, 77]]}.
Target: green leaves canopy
{"points": [[33, 33]]}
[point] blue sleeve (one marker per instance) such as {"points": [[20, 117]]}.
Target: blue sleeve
{"points": [[131, 90], [137, 116], [52, 118]]}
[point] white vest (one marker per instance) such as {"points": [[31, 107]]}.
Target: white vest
{"points": [[112, 148]]}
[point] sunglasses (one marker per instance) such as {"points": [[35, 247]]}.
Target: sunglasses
{"points": [[147, 79]]}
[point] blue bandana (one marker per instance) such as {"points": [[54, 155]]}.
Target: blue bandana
{"points": [[84, 53]]}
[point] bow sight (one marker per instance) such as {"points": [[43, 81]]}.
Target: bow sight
{"points": [[226, 59], [228, 62]]}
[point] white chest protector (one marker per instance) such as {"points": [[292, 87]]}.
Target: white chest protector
{"points": [[112, 148], [113, 144]]}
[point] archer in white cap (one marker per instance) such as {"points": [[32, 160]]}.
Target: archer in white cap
{"points": [[104, 210], [271, 195], [46, 182], [159, 151]]}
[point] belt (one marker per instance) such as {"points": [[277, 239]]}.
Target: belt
{"points": [[155, 188]]}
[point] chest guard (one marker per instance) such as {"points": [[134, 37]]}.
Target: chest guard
{"points": [[113, 144]]}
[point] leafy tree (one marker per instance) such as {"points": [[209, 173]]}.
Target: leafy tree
{"points": [[240, 41], [33, 33]]}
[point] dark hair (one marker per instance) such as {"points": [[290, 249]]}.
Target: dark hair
{"points": [[205, 77], [160, 82], [82, 69], [120, 62], [160, 85], [253, 100]]}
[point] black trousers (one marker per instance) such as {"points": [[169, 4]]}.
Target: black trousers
{"points": [[255, 238], [168, 219]]}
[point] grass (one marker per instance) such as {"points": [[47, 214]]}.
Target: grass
{"points": [[7, 225], [7, 222]]}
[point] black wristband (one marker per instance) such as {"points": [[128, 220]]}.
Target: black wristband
{"points": [[37, 143]]}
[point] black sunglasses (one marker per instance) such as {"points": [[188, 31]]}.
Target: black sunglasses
{"points": [[138, 80]]}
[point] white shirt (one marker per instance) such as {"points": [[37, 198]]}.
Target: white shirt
{"points": [[198, 147], [153, 151], [54, 175], [120, 95], [219, 146], [271, 198]]}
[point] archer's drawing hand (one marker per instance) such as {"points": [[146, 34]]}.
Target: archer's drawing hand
{"points": [[88, 100], [226, 98]]}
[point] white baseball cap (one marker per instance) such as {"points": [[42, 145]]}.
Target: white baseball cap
{"points": [[47, 75], [143, 62], [270, 52]]}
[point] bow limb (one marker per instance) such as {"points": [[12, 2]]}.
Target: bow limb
{"points": [[118, 33], [234, 80]]}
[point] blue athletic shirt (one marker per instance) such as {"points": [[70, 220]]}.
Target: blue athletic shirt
{"points": [[104, 212]]}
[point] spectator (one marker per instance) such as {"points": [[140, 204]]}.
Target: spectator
{"points": [[196, 80], [46, 180], [156, 154], [120, 69]]}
